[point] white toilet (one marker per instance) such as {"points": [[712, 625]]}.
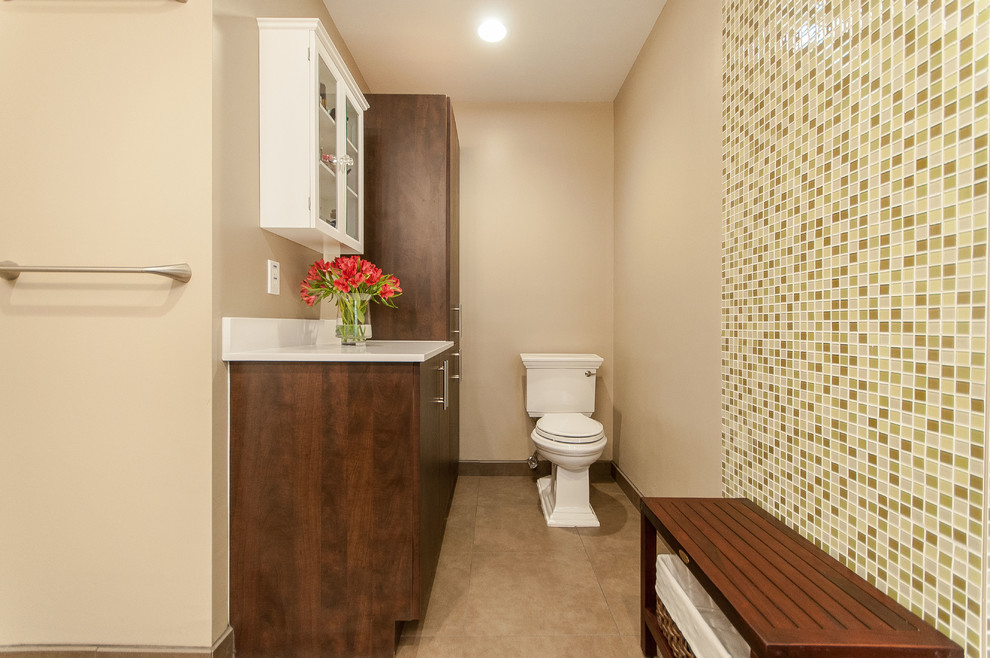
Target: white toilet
{"points": [[560, 391]]}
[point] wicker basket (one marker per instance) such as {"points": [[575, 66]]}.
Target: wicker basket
{"points": [[678, 645]]}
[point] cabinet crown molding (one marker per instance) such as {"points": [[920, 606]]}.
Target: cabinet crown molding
{"points": [[317, 26]]}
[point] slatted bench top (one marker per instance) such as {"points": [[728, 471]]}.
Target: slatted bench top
{"points": [[785, 596]]}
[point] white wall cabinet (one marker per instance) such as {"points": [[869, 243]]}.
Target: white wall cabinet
{"points": [[311, 137]]}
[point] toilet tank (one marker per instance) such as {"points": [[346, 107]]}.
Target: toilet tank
{"points": [[560, 383]]}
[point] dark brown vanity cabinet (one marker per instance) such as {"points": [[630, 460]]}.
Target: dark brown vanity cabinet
{"points": [[411, 210], [340, 486]]}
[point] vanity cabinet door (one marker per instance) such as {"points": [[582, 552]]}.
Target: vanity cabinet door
{"points": [[436, 480], [324, 482], [340, 487]]}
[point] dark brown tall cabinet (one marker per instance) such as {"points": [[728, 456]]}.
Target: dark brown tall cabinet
{"points": [[411, 210]]}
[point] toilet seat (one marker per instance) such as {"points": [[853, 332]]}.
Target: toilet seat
{"points": [[569, 428]]}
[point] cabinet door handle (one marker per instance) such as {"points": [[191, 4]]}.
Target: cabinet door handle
{"points": [[443, 398], [457, 309], [458, 375]]}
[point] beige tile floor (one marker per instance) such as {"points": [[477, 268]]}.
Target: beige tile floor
{"points": [[507, 585]]}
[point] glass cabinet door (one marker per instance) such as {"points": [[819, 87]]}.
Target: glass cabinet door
{"points": [[327, 139], [352, 158]]}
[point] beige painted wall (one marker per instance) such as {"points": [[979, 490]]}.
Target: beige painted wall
{"points": [[116, 119], [536, 258], [667, 256], [105, 399]]}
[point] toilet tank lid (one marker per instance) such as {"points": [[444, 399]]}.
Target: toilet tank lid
{"points": [[534, 360]]}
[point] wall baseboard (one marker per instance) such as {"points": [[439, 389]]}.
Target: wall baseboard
{"points": [[600, 471], [222, 648], [628, 488]]}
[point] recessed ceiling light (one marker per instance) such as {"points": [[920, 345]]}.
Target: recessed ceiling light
{"points": [[492, 30]]}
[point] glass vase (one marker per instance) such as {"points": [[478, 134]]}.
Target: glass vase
{"points": [[353, 317]]}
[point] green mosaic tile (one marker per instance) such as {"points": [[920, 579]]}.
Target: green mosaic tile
{"points": [[855, 157]]}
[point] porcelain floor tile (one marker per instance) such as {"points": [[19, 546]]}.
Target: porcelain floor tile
{"points": [[632, 646], [507, 490], [573, 646], [619, 530], [430, 647], [618, 575], [458, 536], [535, 593], [508, 585], [448, 598], [466, 491], [505, 527]]}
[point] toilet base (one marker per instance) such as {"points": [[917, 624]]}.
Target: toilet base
{"points": [[564, 499]]}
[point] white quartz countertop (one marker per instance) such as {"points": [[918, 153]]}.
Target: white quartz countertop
{"points": [[283, 339]]}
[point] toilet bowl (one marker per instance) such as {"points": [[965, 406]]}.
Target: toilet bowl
{"points": [[560, 393], [571, 442]]}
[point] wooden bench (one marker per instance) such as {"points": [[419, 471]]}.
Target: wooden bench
{"points": [[785, 596]]}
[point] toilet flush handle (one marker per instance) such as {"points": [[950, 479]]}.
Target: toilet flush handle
{"points": [[589, 373]]}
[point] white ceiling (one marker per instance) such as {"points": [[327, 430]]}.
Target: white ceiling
{"points": [[556, 50]]}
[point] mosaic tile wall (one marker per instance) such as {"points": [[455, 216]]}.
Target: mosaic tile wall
{"points": [[854, 287]]}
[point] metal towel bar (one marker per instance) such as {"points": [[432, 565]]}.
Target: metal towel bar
{"points": [[182, 1], [181, 272]]}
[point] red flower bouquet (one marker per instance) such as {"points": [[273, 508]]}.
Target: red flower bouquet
{"points": [[351, 282]]}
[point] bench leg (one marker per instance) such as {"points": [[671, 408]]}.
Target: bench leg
{"points": [[648, 575]]}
